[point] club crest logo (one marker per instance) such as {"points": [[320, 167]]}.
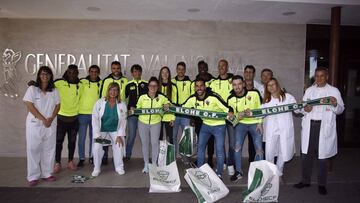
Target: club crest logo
{"points": [[248, 98], [266, 189], [207, 102], [203, 178], [9, 87], [164, 175]]}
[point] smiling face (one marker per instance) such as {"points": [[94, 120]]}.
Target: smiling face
{"points": [[321, 77], [180, 71], [153, 87], [113, 92], [238, 86], [202, 69], [200, 88], [72, 74], [165, 74], [116, 70], [222, 67], [272, 87], [249, 74], [94, 74], [44, 77]]}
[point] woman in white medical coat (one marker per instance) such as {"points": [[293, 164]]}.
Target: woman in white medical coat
{"points": [[43, 103], [109, 123], [278, 128]]}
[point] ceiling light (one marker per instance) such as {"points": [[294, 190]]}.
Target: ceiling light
{"points": [[289, 13], [93, 8], [193, 10]]}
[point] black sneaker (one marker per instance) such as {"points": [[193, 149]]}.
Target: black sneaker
{"points": [[237, 176], [322, 190], [301, 185], [81, 163]]}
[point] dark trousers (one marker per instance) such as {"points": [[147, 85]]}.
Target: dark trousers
{"points": [[63, 128], [313, 153], [168, 131], [210, 143], [251, 148]]}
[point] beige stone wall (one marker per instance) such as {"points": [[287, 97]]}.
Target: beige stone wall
{"points": [[151, 44]]}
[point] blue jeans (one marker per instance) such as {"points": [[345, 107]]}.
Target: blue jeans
{"points": [[219, 133], [84, 122], [179, 122], [241, 131], [132, 125], [231, 153]]}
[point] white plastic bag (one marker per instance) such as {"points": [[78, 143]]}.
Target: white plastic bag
{"points": [[206, 185], [188, 142], [263, 182], [164, 179], [166, 153]]}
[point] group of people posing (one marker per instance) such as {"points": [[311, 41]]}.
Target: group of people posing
{"points": [[70, 106]]}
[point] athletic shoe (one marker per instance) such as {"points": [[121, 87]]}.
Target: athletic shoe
{"points": [[322, 190], [145, 169], [237, 176], [301, 185], [220, 176], [57, 168], [91, 160], [95, 173], [50, 178], [231, 170], [81, 163], [126, 159], [120, 172], [71, 166], [33, 183]]}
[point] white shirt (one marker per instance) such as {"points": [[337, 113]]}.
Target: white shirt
{"points": [[317, 111], [44, 102], [260, 88]]}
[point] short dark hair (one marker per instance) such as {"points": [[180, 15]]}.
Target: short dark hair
{"points": [[203, 63], [71, 67], [47, 70], [116, 63], [136, 67], [181, 63], [249, 67], [200, 80], [238, 77], [154, 79], [322, 68], [267, 70], [95, 67]]}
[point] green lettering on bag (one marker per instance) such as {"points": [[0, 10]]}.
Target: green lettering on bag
{"points": [[255, 183]]}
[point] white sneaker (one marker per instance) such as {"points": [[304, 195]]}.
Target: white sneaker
{"points": [[145, 169], [121, 172], [231, 170], [224, 167], [95, 173]]}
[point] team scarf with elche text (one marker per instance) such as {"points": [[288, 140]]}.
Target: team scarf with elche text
{"points": [[261, 112]]}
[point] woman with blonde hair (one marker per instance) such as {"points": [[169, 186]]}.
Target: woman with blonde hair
{"points": [[109, 125]]}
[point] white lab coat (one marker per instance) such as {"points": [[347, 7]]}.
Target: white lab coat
{"points": [[98, 112], [40, 141], [328, 135], [260, 87], [118, 151], [279, 130]]}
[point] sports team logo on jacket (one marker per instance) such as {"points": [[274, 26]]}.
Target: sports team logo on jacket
{"points": [[207, 102]]}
